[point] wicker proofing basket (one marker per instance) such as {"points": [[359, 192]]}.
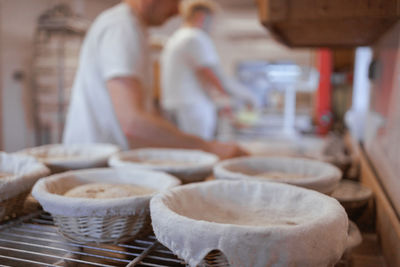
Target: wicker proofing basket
{"points": [[12, 207], [193, 165], [100, 220], [108, 229], [59, 158], [25, 171], [320, 176], [247, 223]]}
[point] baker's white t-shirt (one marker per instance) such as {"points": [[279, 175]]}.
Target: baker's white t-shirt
{"points": [[115, 46], [187, 50]]}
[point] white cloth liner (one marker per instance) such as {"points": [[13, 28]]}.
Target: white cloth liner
{"points": [[25, 172], [321, 176], [199, 162], [78, 156], [182, 221], [49, 192]]}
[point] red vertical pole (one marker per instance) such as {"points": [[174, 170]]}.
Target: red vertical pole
{"points": [[323, 99]]}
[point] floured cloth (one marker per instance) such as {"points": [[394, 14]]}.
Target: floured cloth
{"points": [[50, 192], [71, 157], [320, 176], [188, 165], [22, 173], [254, 224]]}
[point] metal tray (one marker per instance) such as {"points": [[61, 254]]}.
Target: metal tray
{"points": [[33, 240]]}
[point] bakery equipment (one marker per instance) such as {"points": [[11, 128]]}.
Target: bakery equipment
{"points": [[274, 83]]}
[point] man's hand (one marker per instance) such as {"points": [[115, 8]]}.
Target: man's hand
{"points": [[226, 150]]}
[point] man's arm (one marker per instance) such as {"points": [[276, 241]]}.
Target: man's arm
{"points": [[209, 76], [213, 76], [143, 128]]}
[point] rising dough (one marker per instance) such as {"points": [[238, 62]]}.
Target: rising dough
{"points": [[104, 191]]}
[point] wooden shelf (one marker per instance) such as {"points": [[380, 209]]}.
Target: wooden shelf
{"points": [[387, 220], [327, 23]]}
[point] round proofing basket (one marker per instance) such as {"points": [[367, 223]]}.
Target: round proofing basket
{"points": [[188, 165], [320, 176], [250, 223], [24, 172], [61, 157], [353, 196], [13, 207], [86, 220]]}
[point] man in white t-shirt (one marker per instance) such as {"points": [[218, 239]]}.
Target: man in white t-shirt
{"points": [[191, 73], [111, 97]]}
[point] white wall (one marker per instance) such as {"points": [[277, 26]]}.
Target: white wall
{"points": [[238, 35], [17, 26]]}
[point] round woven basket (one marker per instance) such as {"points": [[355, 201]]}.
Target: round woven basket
{"points": [[247, 223], [59, 158], [13, 207], [107, 229], [312, 174], [85, 220], [187, 165], [24, 172]]}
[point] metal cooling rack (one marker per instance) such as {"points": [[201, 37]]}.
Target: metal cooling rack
{"points": [[33, 240]]}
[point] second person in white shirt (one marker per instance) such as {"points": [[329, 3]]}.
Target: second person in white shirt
{"points": [[190, 72]]}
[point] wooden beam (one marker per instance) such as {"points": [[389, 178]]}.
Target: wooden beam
{"points": [[387, 220]]}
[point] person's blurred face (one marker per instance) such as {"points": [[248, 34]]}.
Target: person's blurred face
{"points": [[203, 20], [207, 22], [159, 11]]}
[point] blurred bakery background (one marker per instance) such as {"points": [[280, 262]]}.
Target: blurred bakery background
{"points": [[325, 76]]}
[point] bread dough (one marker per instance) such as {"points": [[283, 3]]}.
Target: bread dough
{"points": [[280, 175], [105, 191]]}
